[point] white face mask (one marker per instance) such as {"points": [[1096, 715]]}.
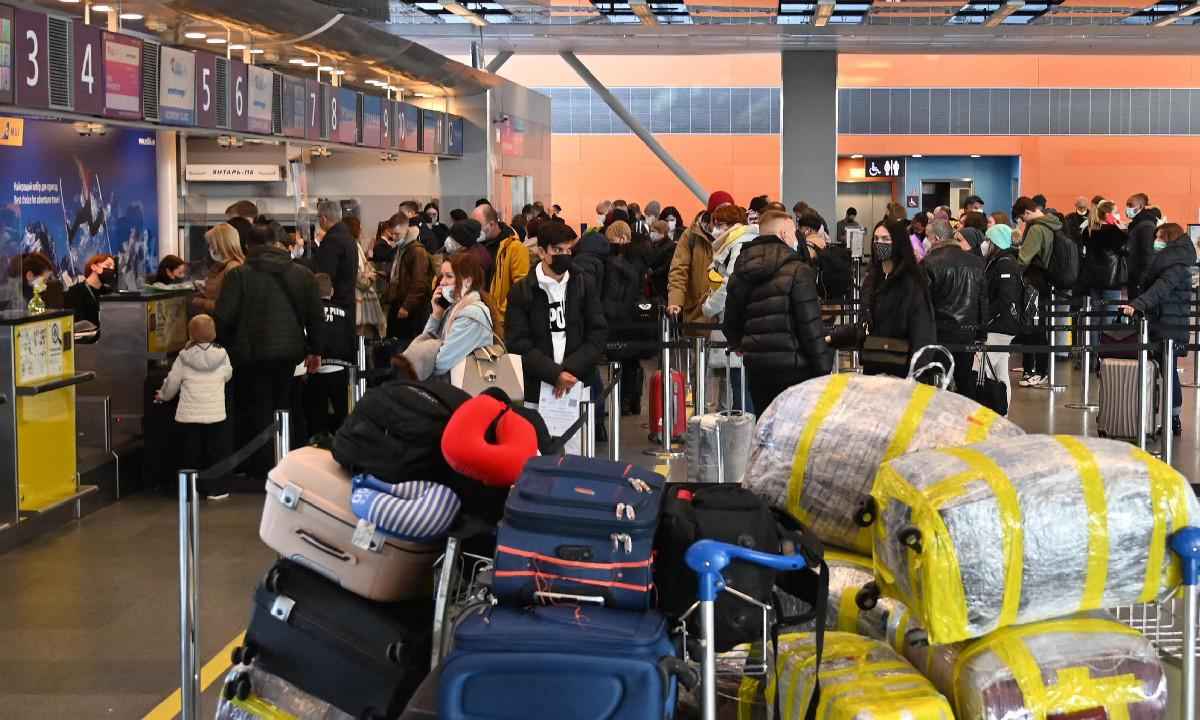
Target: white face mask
{"points": [[452, 246], [1131, 212], [656, 237], [599, 219], [482, 237], [448, 293]]}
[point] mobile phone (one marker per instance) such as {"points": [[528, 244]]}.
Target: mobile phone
{"points": [[442, 302]]}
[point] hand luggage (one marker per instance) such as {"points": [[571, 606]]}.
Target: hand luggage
{"points": [[363, 657], [251, 693], [560, 662], [1088, 666], [861, 679], [308, 519], [1020, 530], [579, 526], [818, 447], [678, 406], [1117, 417], [718, 444]]}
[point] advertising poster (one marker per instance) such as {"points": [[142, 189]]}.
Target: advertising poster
{"points": [[260, 97], [372, 108], [177, 87], [122, 76], [71, 197], [292, 112]]}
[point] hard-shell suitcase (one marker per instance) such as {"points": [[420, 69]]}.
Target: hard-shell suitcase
{"points": [[363, 657], [718, 446], [307, 518], [251, 693], [1118, 413], [678, 406], [559, 662], [579, 526]]}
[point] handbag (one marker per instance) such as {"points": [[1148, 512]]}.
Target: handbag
{"points": [[989, 391], [878, 350], [490, 366]]}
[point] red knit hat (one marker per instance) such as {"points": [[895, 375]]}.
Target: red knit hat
{"points": [[718, 199]]}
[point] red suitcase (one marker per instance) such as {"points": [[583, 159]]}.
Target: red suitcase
{"points": [[678, 408]]}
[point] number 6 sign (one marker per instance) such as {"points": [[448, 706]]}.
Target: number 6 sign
{"points": [[237, 95]]}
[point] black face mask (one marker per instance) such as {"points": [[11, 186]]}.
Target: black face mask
{"points": [[560, 264], [882, 251], [108, 278]]}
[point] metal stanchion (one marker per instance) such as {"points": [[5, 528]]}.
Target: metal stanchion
{"points": [[1195, 383], [189, 589], [360, 389], [587, 434], [614, 416], [700, 363], [666, 449], [1143, 367], [1186, 544], [1052, 383], [283, 434], [362, 354], [1085, 392], [1168, 388], [352, 389]]}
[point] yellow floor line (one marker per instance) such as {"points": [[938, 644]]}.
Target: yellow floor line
{"points": [[213, 669]]}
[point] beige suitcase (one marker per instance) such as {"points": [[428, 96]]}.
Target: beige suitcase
{"points": [[307, 519]]}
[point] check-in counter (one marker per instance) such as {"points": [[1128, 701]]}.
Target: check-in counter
{"points": [[38, 381], [138, 330]]}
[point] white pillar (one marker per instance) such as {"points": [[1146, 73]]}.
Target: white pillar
{"points": [[167, 156]]}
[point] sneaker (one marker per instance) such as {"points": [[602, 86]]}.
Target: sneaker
{"points": [[1024, 381], [1036, 381], [1176, 426], [218, 496]]}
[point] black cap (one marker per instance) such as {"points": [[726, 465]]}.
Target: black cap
{"points": [[466, 233]]}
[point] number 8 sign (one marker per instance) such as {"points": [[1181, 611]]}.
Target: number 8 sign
{"points": [[30, 64]]}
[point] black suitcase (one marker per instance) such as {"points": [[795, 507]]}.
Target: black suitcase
{"points": [[162, 438], [365, 658]]}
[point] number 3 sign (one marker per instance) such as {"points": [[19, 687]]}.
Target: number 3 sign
{"points": [[30, 64]]}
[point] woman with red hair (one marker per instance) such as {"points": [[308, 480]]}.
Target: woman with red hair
{"points": [[460, 323]]}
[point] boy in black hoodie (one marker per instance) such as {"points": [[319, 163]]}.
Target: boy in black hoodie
{"points": [[326, 394]]}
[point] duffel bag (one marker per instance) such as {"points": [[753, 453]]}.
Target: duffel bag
{"points": [[1015, 531], [818, 447]]}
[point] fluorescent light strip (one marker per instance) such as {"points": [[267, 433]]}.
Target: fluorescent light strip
{"points": [[461, 11]]}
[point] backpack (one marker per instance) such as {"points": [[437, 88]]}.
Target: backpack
{"points": [[834, 266], [1063, 269]]}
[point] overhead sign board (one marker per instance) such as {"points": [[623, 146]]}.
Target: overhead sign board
{"points": [[315, 100], [177, 87], [238, 106], [212, 172], [88, 72], [454, 134], [433, 132], [122, 76], [345, 106], [30, 61], [260, 98], [206, 89], [888, 167], [293, 116]]}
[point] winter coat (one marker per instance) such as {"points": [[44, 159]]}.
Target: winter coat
{"points": [[687, 280], [337, 340], [1141, 249], [591, 256], [411, 288], [337, 257], [1100, 268], [527, 331], [898, 306], [1167, 295], [959, 291], [269, 310], [448, 340], [198, 376], [1006, 293], [493, 246], [205, 301], [658, 259], [772, 313], [512, 264], [1037, 244]]}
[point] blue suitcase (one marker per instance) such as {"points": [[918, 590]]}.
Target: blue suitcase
{"points": [[580, 527], [561, 662]]}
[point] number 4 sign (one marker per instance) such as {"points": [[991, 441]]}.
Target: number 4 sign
{"points": [[89, 70]]}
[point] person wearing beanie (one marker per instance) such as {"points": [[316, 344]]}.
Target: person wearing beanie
{"points": [[718, 199], [198, 378], [687, 281], [1006, 298], [653, 210]]}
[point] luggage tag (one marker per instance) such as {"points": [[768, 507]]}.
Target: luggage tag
{"points": [[364, 537]]}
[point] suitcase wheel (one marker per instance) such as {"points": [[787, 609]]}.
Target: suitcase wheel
{"points": [[910, 538], [238, 687], [866, 513], [271, 581], [244, 654], [867, 597]]}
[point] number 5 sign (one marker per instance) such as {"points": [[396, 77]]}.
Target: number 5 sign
{"points": [[30, 64], [206, 90], [89, 70]]}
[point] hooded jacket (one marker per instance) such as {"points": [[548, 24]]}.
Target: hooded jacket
{"points": [[269, 310], [1100, 268], [773, 314], [198, 376], [1167, 294], [512, 264], [591, 255], [687, 280], [898, 306], [1141, 248], [337, 257]]}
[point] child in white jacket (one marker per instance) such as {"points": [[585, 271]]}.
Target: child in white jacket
{"points": [[198, 377]]}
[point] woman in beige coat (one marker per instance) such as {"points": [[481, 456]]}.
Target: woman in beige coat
{"points": [[225, 251]]}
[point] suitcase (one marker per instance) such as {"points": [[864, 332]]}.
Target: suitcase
{"points": [[251, 693], [678, 409], [308, 518], [1117, 417], [581, 527], [559, 662], [363, 657], [718, 446], [162, 436]]}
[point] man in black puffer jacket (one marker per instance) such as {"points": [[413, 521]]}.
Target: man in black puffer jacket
{"points": [[1143, 221], [773, 314], [1166, 297], [958, 286]]}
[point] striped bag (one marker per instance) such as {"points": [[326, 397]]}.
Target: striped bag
{"points": [[420, 511]]}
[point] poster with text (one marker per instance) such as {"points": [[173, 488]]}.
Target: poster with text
{"points": [[177, 87], [260, 99], [122, 76], [71, 197]]}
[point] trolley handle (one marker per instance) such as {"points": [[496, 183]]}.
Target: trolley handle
{"points": [[1186, 544], [708, 558]]}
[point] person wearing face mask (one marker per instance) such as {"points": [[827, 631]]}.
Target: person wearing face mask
{"points": [[958, 288], [1079, 222], [1143, 220], [460, 320], [916, 235], [172, 270], [1006, 298], [674, 220], [510, 259], [1104, 269], [654, 211], [603, 208], [467, 237], [225, 253], [409, 287], [812, 238], [555, 321], [732, 236], [84, 297], [659, 252], [687, 281], [1166, 299], [624, 285], [1036, 232], [773, 314], [35, 272], [431, 222]]}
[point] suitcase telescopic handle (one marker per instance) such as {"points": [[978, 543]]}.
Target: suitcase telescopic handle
{"points": [[708, 558]]}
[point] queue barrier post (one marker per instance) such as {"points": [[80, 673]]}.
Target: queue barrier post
{"points": [[362, 354], [189, 594], [283, 434], [700, 363], [666, 449], [1195, 383], [1143, 367], [1085, 391], [1168, 389], [1052, 384], [587, 433], [614, 415]]}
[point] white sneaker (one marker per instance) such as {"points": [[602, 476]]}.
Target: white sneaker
{"points": [[1039, 381], [218, 496]]}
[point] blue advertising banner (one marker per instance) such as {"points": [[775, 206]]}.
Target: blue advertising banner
{"points": [[70, 197]]}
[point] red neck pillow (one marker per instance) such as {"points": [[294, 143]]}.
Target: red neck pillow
{"points": [[488, 442]]}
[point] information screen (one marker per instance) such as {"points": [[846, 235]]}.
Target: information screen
{"points": [[346, 130], [177, 87], [89, 69], [122, 76], [372, 118], [408, 127], [31, 67], [432, 133], [260, 99], [6, 54], [206, 90], [292, 112], [454, 135]]}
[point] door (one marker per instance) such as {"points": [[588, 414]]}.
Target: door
{"points": [[870, 199], [934, 195]]}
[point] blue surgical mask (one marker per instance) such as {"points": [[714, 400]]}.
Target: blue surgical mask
{"points": [[1131, 212], [1159, 245]]}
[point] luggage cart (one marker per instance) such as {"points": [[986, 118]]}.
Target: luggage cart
{"points": [[1172, 625], [462, 580]]}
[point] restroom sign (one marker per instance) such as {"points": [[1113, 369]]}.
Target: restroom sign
{"points": [[884, 167]]}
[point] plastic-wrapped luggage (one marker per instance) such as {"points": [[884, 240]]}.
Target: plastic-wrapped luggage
{"points": [[1073, 667], [861, 679], [1020, 530], [718, 446], [818, 447], [847, 575], [251, 693]]}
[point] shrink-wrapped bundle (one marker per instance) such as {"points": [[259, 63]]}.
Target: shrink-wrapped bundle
{"points": [[819, 445], [848, 574], [1014, 531], [861, 679], [1071, 667]]}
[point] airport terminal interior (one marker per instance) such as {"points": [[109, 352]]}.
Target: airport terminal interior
{"points": [[322, 324]]}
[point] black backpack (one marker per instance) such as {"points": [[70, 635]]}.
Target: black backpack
{"points": [[1063, 269], [835, 274]]}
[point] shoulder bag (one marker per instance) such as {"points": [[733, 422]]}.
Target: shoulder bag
{"points": [[490, 366]]}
